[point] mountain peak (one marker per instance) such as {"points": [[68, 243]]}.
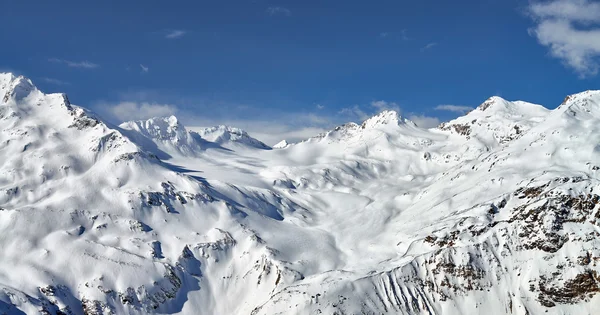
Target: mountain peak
{"points": [[223, 135], [16, 88], [281, 144], [582, 104], [385, 118], [161, 128], [497, 121], [492, 102]]}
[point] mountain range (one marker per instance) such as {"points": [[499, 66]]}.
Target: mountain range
{"points": [[495, 212]]}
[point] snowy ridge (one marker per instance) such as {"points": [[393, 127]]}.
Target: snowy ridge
{"points": [[498, 210], [281, 145], [230, 136], [167, 133], [497, 121]]}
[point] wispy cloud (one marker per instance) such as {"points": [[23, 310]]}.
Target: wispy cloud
{"points": [[354, 112], [429, 46], [424, 121], [360, 113], [125, 111], [173, 34], [395, 35], [403, 34], [144, 68], [570, 10], [454, 108], [75, 64], [319, 106], [279, 11], [385, 105], [571, 31], [55, 81]]}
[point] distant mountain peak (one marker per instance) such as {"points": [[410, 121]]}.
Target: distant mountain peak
{"points": [[161, 128], [497, 121], [385, 118], [281, 145], [494, 100], [16, 88], [224, 135], [581, 104]]}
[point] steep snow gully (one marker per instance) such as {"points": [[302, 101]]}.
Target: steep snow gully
{"points": [[497, 211]]}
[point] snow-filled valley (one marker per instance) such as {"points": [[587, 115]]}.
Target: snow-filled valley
{"points": [[495, 212]]}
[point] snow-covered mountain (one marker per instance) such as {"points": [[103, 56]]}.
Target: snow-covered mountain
{"points": [[497, 211], [229, 136], [165, 135]]}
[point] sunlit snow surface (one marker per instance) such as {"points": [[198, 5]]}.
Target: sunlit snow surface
{"points": [[495, 212]]}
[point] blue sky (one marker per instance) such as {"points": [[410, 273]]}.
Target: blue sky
{"points": [[301, 64]]}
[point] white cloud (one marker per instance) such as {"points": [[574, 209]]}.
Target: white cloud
{"points": [[385, 105], [354, 112], [144, 68], [55, 81], [319, 106], [454, 108], [404, 35], [570, 10], [424, 121], [429, 46], [357, 113], [173, 34], [75, 64], [570, 29], [125, 111], [279, 11]]}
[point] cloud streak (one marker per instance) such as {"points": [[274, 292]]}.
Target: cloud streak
{"points": [[173, 34], [75, 64], [429, 46], [279, 11], [125, 111], [424, 121], [354, 112], [454, 108], [403, 35], [55, 81], [570, 30], [385, 105]]}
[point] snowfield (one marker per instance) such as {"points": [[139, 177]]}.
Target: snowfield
{"points": [[495, 212]]}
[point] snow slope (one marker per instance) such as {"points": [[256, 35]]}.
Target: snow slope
{"points": [[497, 211]]}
